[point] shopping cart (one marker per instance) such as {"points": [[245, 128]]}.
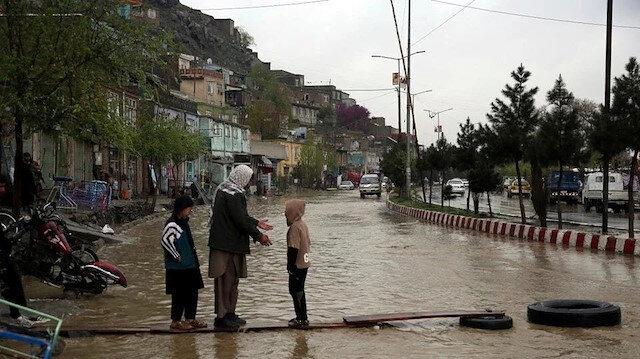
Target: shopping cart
{"points": [[28, 343]]}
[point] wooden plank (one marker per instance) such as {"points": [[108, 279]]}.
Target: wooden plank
{"points": [[363, 320], [251, 327]]}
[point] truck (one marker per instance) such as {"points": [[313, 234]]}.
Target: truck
{"points": [[570, 189], [618, 195]]}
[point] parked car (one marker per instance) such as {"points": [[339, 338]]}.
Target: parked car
{"points": [[592, 192], [506, 183], [513, 188], [570, 189], [346, 185], [370, 185], [457, 186]]}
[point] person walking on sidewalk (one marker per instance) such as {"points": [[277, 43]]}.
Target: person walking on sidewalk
{"points": [[298, 246], [183, 277], [231, 227]]}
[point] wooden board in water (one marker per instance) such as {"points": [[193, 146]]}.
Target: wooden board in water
{"points": [[364, 320], [250, 327]]}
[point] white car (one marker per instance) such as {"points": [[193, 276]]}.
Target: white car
{"points": [[346, 185], [370, 185], [457, 186]]}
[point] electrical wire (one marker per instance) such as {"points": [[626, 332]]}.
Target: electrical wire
{"points": [[444, 22], [264, 6], [536, 17], [368, 90]]}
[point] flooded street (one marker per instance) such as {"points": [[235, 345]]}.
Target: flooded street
{"points": [[367, 260]]}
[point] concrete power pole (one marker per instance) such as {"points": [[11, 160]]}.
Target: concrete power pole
{"points": [[607, 101], [408, 133]]}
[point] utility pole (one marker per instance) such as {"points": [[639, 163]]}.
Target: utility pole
{"points": [[399, 99], [433, 114], [607, 101], [408, 73], [398, 59]]}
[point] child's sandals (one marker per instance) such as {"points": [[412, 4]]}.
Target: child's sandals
{"points": [[181, 326], [196, 324]]}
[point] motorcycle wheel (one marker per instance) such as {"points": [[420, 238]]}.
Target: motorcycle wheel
{"points": [[6, 219], [85, 256]]}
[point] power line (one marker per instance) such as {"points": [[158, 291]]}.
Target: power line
{"points": [[537, 17], [444, 22], [264, 6], [369, 90], [375, 97]]}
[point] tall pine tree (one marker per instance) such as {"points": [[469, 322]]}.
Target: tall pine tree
{"points": [[467, 153], [626, 106], [513, 123], [560, 134]]}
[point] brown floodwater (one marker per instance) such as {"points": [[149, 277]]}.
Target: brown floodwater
{"points": [[366, 260]]}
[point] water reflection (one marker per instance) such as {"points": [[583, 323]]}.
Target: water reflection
{"points": [[301, 349], [366, 260]]}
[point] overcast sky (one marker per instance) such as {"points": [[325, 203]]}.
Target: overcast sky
{"points": [[468, 60]]}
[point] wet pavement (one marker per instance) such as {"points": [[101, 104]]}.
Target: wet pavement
{"points": [[575, 214], [366, 260]]}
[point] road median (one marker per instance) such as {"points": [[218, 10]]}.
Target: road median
{"points": [[462, 219]]}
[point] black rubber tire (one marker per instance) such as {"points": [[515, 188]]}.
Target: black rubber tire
{"points": [[574, 313], [488, 322]]}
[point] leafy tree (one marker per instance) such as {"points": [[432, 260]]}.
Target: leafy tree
{"points": [[626, 106], [246, 40], [355, 118], [483, 178], [162, 139], [269, 111], [393, 165], [560, 135], [467, 151], [427, 165], [313, 159], [514, 122], [57, 60]]}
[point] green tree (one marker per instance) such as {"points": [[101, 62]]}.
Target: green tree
{"points": [[269, 110], [483, 178], [311, 163], [626, 106], [161, 139], [604, 134], [57, 61], [467, 151], [560, 135], [393, 165], [427, 164], [513, 123], [442, 162]]}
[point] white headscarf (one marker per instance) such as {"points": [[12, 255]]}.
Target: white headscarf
{"points": [[239, 178]]}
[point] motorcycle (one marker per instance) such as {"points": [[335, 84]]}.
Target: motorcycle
{"points": [[41, 249]]}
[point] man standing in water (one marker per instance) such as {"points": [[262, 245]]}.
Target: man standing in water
{"points": [[231, 227]]}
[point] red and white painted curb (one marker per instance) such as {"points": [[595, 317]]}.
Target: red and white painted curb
{"points": [[566, 238]]}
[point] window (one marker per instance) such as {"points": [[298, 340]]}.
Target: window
{"points": [[211, 88], [235, 133], [599, 179], [217, 132], [612, 179], [245, 135], [130, 109], [227, 131], [220, 89]]}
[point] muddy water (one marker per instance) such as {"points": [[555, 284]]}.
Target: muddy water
{"points": [[367, 260]]}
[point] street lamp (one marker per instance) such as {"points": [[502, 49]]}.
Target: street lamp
{"points": [[433, 114], [398, 59]]}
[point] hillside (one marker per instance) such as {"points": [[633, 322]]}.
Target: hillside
{"points": [[204, 36]]}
